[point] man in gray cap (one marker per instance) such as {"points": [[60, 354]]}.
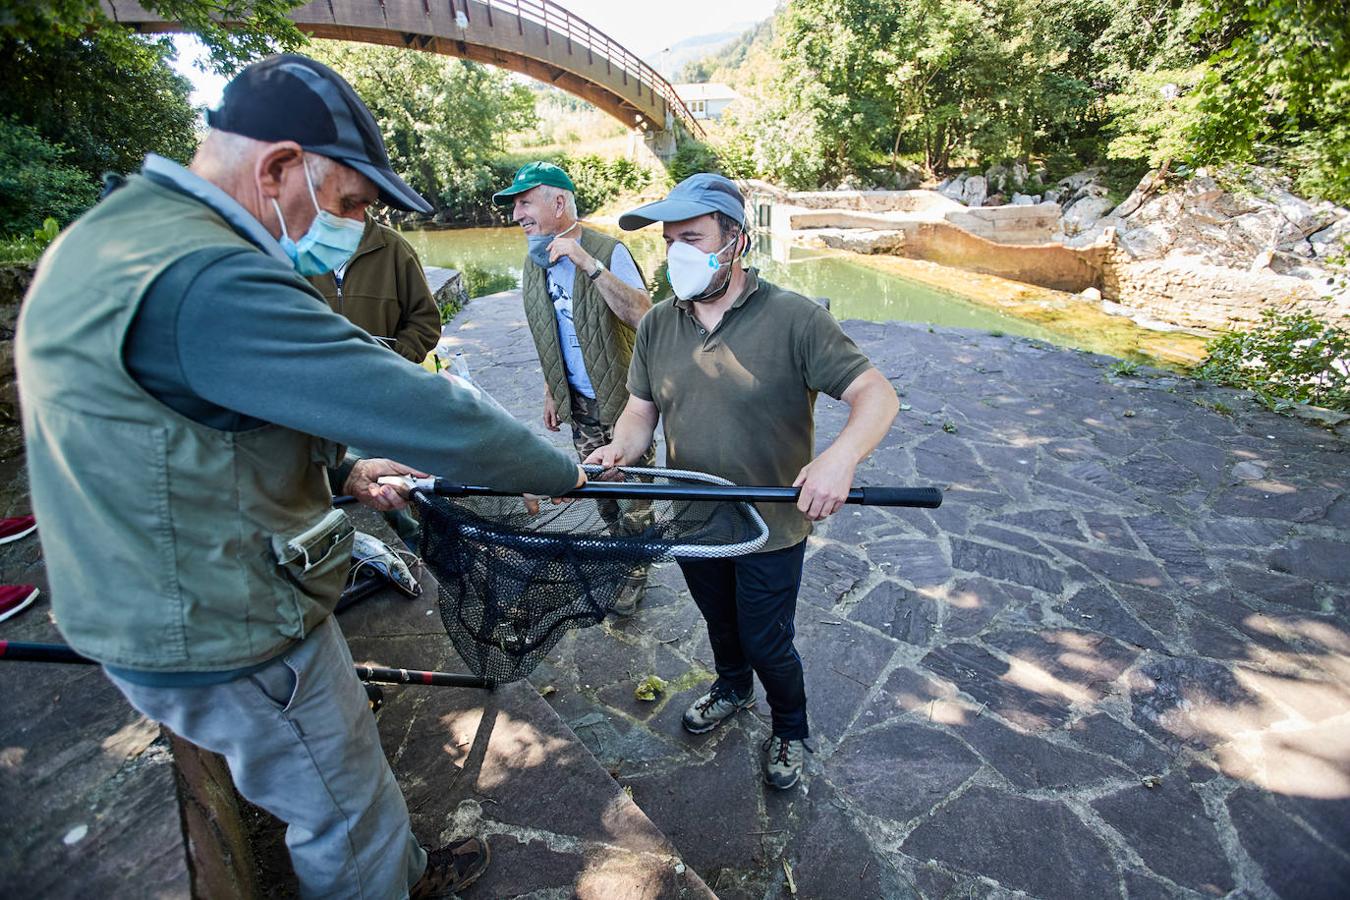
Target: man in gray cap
{"points": [[584, 296], [731, 368], [184, 394]]}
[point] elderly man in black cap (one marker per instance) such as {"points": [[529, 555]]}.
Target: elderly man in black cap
{"points": [[731, 368], [171, 329]]}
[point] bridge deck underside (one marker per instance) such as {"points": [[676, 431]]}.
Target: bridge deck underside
{"points": [[472, 30]]}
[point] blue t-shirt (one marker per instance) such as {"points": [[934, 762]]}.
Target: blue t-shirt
{"points": [[561, 276]]}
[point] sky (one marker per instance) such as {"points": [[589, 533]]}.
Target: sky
{"points": [[643, 26]]}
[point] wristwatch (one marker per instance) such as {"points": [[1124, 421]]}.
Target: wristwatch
{"points": [[597, 271]]}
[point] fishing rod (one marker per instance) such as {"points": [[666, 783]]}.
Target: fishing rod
{"points": [[22, 651]]}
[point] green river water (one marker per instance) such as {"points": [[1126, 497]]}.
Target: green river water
{"points": [[856, 290]]}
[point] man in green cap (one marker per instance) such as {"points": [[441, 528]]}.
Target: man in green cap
{"points": [[584, 296]]}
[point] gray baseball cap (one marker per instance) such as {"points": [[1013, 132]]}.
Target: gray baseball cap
{"points": [[697, 195], [289, 97]]}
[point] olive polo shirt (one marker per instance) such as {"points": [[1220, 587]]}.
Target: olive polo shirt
{"points": [[739, 401]]}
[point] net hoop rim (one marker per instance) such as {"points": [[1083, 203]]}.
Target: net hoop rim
{"points": [[703, 551], [660, 551]]}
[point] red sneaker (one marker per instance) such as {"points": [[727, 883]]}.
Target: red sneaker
{"points": [[15, 598], [13, 529]]}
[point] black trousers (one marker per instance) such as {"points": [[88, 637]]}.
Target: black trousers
{"points": [[749, 603]]}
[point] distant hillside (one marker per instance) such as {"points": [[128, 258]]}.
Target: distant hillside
{"points": [[733, 62], [671, 60]]}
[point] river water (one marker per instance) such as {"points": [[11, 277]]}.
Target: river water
{"points": [[857, 288]]}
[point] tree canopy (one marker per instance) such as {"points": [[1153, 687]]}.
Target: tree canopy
{"points": [[84, 96], [444, 120], [859, 85]]}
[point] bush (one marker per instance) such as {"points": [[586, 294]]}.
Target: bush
{"points": [[691, 158], [36, 183], [599, 181], [28, 249], [1289, 358], [468, 200], [479, 281]]}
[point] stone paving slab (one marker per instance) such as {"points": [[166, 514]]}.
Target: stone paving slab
{"points": [[1115, 663], [87, 784]]}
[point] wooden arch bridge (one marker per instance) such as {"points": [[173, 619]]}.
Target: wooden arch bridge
{"points": [[538, 38]]}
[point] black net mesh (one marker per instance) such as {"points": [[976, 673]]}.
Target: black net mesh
{"points": [[512, 584]]}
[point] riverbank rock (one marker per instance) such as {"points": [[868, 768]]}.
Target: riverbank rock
{"points": [[1215, 249]]}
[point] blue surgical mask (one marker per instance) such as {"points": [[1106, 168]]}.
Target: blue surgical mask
{"points": [[538, 244], [327, 245]]}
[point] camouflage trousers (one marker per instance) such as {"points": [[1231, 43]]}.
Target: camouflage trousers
{"points": [[623, 517]]}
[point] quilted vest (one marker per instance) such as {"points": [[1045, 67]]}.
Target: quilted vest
{"points": [[170, 546], [606, 340]]}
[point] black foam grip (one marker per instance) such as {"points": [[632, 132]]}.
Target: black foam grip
{"points": [[926, 497]]}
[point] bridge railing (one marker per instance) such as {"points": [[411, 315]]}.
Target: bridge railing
{"points": [[559, 22]]}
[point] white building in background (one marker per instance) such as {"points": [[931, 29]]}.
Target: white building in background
{"points": [[706, 101]]}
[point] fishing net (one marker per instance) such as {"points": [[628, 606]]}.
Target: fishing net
{"points": [[512, 584]]}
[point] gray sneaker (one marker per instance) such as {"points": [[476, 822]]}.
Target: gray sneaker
{"points": [[715, 707], [783, 761]]}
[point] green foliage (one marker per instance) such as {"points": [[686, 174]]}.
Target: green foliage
{"points": [[257, 27], [28, 249], [37, 185], [843, 89], [1125, 368], [1289, 358], [691, 158], [946, 79], [444, 120], [100, 102], [479, 282], [1283, 83], [598, 181], [1154, 115]]}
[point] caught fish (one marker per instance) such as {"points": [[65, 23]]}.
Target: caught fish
{"points": [[373, 553]]}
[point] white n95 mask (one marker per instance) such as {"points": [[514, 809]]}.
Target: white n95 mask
{"points": [[691, 270]]}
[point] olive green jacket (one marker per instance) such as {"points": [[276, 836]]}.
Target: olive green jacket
{"points": [[170, 546], [606, 340], [385, 292]]}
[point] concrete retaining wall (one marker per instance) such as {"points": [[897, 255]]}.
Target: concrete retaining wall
{"points": [[1010, 224]]}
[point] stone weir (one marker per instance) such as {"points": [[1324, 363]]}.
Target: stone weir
{"points": [[1195, 254]]}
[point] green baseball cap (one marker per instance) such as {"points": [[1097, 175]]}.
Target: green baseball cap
{"points": [[531, 175]]}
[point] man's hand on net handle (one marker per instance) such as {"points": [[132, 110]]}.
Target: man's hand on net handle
{"points": [[532, 500], [364, 483]]}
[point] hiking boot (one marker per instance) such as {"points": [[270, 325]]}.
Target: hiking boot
{"points": [[451, 868], [17, 527], [714, 707], [630, 595], [783, 761], [14, 598]]}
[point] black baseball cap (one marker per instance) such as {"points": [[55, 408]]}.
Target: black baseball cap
{"points": [[289, 97]]}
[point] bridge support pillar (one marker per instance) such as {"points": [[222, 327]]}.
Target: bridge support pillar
{"points": [[661, 143]]}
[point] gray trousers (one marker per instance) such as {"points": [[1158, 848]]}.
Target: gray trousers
{"points": [[302, 744]]}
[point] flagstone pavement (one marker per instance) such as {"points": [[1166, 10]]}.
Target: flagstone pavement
{"points": [[1115, 663]]}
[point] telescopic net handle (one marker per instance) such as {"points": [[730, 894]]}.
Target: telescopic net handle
{"points": [[20, 651], [925, 497]]}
